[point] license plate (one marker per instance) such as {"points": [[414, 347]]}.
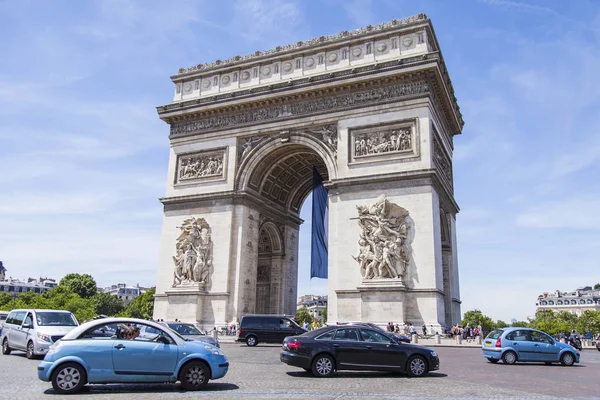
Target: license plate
{"points": [[488, 344]]}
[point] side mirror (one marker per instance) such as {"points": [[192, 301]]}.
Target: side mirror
{"points": [[27, 326]]}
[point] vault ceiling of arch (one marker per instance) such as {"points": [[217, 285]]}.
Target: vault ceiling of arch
{"points": [[285, 176]]}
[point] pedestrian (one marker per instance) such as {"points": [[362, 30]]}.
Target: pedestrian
{"points": [[412, 331], [424, 328]]}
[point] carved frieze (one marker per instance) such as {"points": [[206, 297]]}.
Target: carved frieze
{"points": [[206, 165], [383, 142], [441, 161], [385, 249], [193, 253], [323, 104]]}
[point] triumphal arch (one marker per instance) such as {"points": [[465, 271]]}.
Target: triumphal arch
{"points": [[374, 112]]}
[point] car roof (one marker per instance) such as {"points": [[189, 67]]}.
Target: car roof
{"points": [[41, 310], [107, 321], [268, 315]]}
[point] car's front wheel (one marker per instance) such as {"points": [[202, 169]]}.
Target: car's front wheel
{"points": [[30, 353], [251, 341], [194, 376], [567, 359], [509, 357], [69, 378], [323, 366], [417, 366], [5, 347]]}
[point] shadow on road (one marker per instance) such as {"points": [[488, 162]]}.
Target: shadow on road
{"points": [[368, 375], [146, 388]]}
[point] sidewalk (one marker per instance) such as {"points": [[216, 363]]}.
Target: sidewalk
{"points": [[429, 342]]}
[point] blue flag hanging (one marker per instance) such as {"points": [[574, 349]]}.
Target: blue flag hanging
{"points": [[318, 244]]}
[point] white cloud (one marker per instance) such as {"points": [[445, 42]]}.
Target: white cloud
{"points": [[360, 12], [266, 20], [571, 213]]}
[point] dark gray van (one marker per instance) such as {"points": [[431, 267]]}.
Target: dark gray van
{"points": [[267, 328]]}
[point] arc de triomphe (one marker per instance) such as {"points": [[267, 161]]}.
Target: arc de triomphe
{"points": [[374, 111]]}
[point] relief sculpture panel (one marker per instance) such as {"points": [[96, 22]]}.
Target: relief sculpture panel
{"points": [[374, 143], [385, 239], [193, 253], [207, 165]]}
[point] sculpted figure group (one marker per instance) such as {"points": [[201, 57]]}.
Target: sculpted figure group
{"points": [[198, 167], [193, 259], [384, 248], [382, 142]]}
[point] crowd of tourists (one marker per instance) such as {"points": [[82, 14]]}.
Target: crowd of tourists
{"points": [[467, 332]]}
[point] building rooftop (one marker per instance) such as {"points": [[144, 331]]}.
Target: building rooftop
{"points": [[314, 42]]}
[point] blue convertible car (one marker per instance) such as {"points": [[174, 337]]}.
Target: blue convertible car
{"points": [[110, 350], [529, 345]]}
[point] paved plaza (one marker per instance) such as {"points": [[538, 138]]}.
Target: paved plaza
{"points": [[256, 373]]}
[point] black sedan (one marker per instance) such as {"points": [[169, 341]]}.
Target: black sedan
{"points": [[402, 338], [356, 347]]}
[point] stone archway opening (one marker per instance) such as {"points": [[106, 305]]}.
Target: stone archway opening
{"points": [[282, 182]]}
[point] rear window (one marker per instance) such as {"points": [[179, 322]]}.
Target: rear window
{"points": [[495, 334]]}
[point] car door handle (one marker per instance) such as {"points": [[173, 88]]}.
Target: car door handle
{"points": [[120, 347], [369, 347], [336, 345], [536, 345]]}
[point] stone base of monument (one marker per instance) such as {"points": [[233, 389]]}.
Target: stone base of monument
{"points": [[192, 303]]}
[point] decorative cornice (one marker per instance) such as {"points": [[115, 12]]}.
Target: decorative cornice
{"points": [[286, 110], [333, 76], [315, 42]]}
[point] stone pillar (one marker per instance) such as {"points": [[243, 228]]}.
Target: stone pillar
{"points": [[438, 339], [414, 338]]}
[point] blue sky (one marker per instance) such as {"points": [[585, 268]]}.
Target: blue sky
{"points": [[83, 155]]}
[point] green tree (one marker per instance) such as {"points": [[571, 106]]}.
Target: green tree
{"points": [[81, 308], [59, 297], [107, 304], [5, 302], [325, 315], [501, 324], [82, 284], [476, 317], [589, 321], [141, 307], [303, 315]]}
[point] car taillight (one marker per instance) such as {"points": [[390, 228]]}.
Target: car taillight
{"points": [[239, 331], [498, 342], [293, 345]]}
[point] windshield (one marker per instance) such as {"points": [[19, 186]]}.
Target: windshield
{"points": [[185, 329], [56, 319]]}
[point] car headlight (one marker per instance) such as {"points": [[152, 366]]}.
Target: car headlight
{"points": [[54, 348], [433, 353], [214, 350], [44, 337]]}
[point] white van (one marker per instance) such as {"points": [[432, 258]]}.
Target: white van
{"points": [[34, 331]]}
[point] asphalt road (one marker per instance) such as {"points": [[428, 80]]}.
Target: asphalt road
{"points": [[256, 373]]}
